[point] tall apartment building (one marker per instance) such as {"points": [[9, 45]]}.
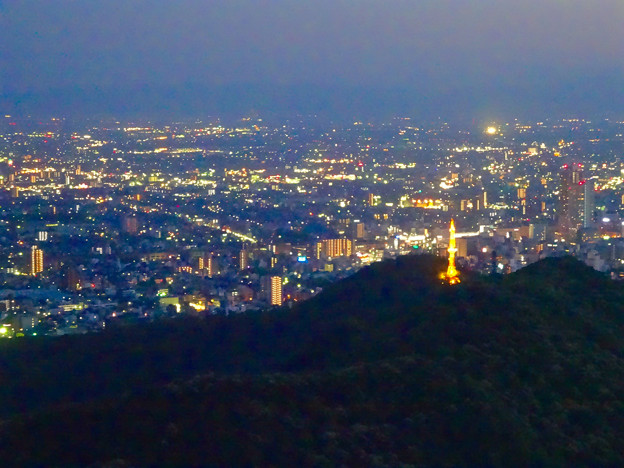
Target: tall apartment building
{"points": [[36, 260], [334, 248]]}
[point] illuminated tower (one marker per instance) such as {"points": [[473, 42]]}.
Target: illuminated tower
{"points": [[452, 275], [209, 265], [275, 291], [243, 259], [36, 261]]}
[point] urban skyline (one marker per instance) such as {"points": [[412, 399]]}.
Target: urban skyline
{"points": [[311, 233], [132, 221]]}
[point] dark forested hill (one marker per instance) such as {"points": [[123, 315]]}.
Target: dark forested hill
{"points": [[388, 367]]}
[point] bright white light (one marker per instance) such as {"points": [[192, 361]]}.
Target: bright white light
{"points": [[491, 130], [606, 220]]}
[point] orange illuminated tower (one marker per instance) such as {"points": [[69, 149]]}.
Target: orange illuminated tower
{"points": [[452, 275], [275, 292], [36, 261]]}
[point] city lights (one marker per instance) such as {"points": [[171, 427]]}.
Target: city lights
{"points": [[105, 218]]}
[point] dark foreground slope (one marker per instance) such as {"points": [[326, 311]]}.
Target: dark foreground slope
{"points": [[388, 367]]}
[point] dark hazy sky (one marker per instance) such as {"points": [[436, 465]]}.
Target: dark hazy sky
{"points": [[363, 56]]}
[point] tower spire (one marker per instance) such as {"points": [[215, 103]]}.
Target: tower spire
{"points": [[452, 275]]}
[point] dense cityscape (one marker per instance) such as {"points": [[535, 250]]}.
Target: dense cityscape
{"points": [[110, 221], [311, 233]]}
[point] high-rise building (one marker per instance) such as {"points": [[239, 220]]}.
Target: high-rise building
{"points": [[571, 201], [71, 279], [334, 248], [590, 204], [36, 260], [207, 265], [129, 224], [211, 266], [522, 199], [480, 201], [275, 291], [462, 247], [281, 248], [243, 259], [359, 230], [42, 236]]}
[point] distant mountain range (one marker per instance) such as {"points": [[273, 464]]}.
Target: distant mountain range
{"points": [[389, 367]]}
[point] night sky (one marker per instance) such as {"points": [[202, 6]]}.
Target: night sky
{"points": [[344, 57]]}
